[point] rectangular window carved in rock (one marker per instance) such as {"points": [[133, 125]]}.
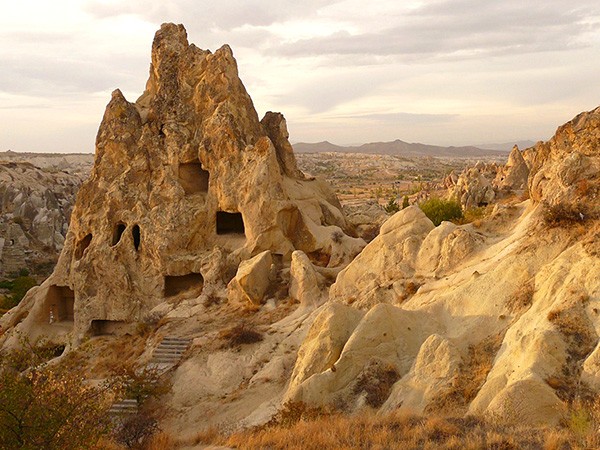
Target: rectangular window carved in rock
{"points": [[193, 178], [176, 284], [230, 223], [60, 303]]}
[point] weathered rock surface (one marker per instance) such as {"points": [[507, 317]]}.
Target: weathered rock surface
{"points": [[566, 169], [185, 169], [35, 208], [473, 187], [304, 280], [513, 176], [501, 319], [251, 281]]}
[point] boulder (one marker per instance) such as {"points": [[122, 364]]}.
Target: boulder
{"points": [[304, 280], [252, 279]]}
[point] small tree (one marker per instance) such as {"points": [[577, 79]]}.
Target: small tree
{"points": [[48, 407], [405, 203], [392, 206]]}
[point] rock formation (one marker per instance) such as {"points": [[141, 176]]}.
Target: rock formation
{"points": [[473, 187], [566, 169], [35, 208], [513, 176], [186, 184], [497, 319], [195, 207]]}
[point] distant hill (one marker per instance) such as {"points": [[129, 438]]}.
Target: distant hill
{"points": [[399, 147], [507, 146]]}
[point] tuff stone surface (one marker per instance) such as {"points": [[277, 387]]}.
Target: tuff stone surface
{"points": [[186, 169]]}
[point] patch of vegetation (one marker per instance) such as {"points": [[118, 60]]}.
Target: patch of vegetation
{"points": [[49, 407], [522, 299], [472, 374], [580, 337], [375, 382], [439, 210], [293, 412], [240, 335], [392, 206], [405, 430], [17, 290], [562, 214]]}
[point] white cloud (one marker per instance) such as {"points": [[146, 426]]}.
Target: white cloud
{"points": [[440, 71]]}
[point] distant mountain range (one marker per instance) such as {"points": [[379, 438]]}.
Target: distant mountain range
{"points": [[402, 148]]}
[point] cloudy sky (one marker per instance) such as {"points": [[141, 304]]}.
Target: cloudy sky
{"points": [[448, 72]]}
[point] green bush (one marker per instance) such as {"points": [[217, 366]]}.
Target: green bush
{"points": [[405, 203], [392, 206], [20, 287], [49, 407], [439, 210]]}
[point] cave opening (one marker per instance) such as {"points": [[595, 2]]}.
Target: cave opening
{"points": [[118, 233], [60, 302], [137, 238], [230, 223], [109, 327], [176, 284], [82, 245]]}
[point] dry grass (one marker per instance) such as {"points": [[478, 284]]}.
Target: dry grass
{"points": [[581, 338], [240, 335], [401, 430], [375, 382], [563, 214]]}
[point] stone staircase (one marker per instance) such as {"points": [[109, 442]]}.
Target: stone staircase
{"points": [[124, 407], [170, 350], [165, 356]]}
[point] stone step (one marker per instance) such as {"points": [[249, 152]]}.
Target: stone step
{"points": [[166, 355], [170, 350], [179, 351], [173, 347], [127, 406], [176, 341], [171, 362]]}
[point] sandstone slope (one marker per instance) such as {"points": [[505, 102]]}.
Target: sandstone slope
{"points": [[499, 318]]}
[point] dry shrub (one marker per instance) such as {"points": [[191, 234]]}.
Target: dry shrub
{"points": [[410, 289], [476, 214], [582, 188], [472, 375], [240, 335], [376, 381], [294, 412], [522, 299], [580, 337], [161, 441], [210, 435], [562, 214]]}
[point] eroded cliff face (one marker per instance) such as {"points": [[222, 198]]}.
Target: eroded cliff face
{"points": [[35, 207], [187, 183], [566, 170]]}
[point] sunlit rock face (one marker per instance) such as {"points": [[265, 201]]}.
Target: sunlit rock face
{"points": [[187, 183]]}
